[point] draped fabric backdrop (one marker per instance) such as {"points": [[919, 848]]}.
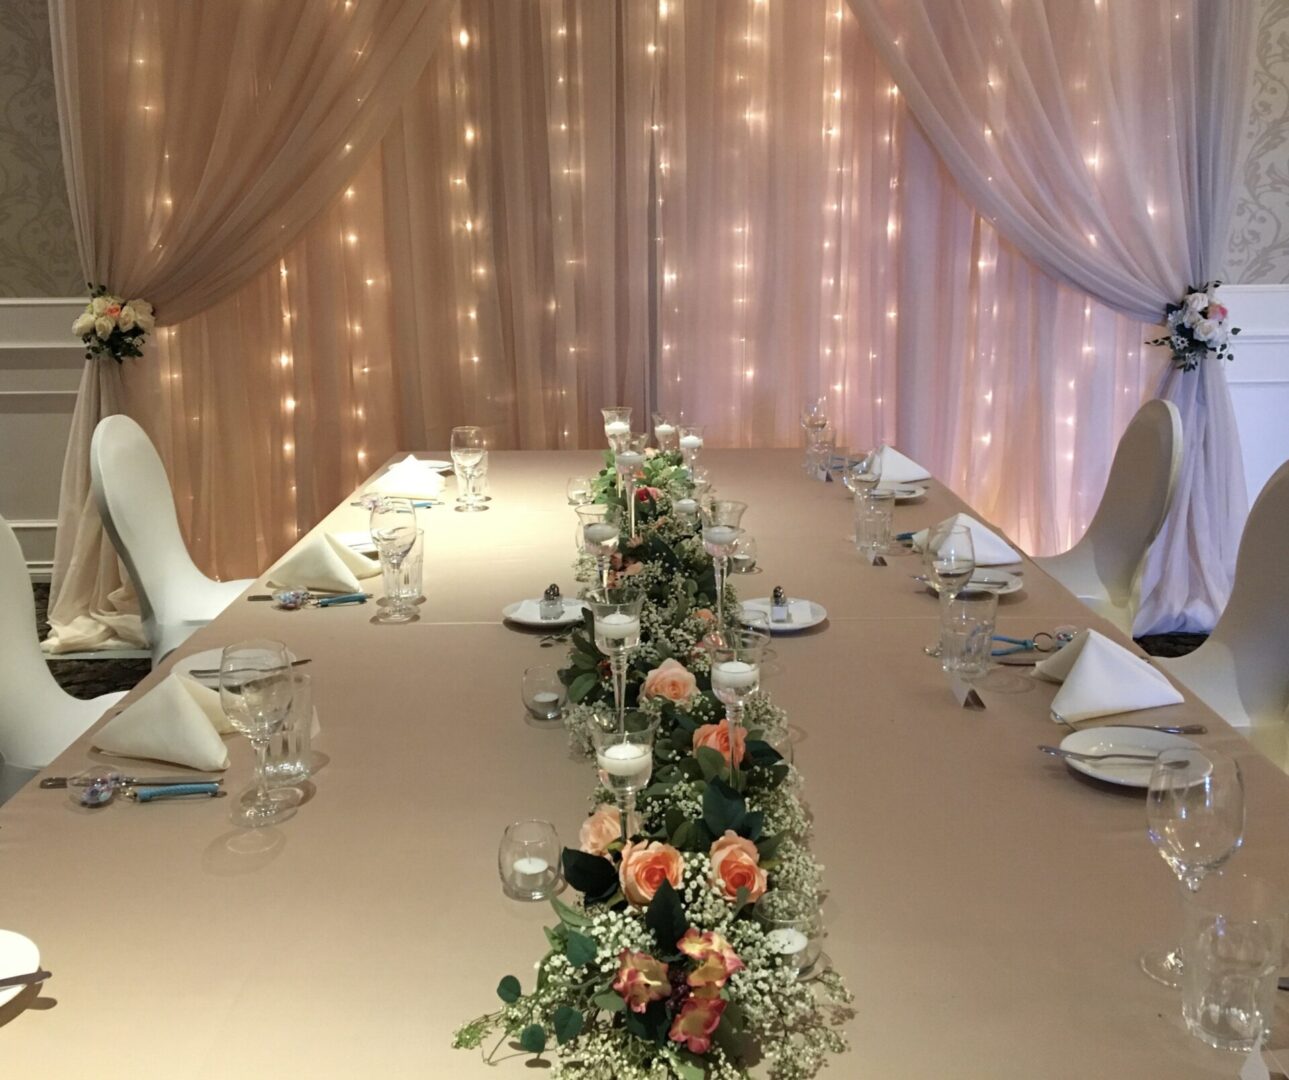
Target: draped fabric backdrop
{"points": [[723, 207]]}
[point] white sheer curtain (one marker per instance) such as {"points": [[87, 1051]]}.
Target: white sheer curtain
{"points": [[1101, 139]]}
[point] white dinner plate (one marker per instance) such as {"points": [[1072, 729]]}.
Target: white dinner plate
{"points": [[18, 955], [1120, 740], [905, 492], [817, 615], [988, 579], [437, 464], [572, 615], [207, 658], [359, 540]]}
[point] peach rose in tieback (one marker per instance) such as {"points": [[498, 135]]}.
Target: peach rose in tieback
{"points": [[645, 866], [603, 827], [670, 680], [641, 979], [736, 864], [717, 737]]}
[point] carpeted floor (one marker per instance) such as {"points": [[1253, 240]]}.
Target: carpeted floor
{"points": [[89, 678]]}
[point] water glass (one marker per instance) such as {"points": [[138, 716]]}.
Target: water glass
{"points": [[1235, 929], [967, 633], [468, 448], [528, 860], [793, 928], [399, 603], [255, 694], [408, 582], [290, 756], [544, 695], [874, 513]]}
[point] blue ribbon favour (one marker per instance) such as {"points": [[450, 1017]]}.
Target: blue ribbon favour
{"points": [[150, 794], [904, 536], [347, 598]]}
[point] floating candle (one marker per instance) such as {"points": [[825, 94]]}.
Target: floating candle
{"points": [[787, 941], [664, 431], [600, 533], [735, 675], [686, 506], [624, 759], [617, 626], [691, 442], [617, 427], [629, 460]]}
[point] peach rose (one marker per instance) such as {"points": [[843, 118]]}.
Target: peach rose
{"points": [[602, 828], [697, 1021], [706, 614], [716, 957], [670, 680], [641, 979], [645, 866], [717, 736], [736, 864]]}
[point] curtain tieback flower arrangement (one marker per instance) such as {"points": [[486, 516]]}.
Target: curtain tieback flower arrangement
{"points": [[112, 326], [1197, 327]]}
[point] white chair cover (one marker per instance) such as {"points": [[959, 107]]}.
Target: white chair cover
{"points": [[138, 512], [38, 719], [1104, 568]]}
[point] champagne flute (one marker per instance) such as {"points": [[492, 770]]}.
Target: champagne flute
{"points": [[468, 447], [950, 562], [393, 531], [255, 689], [1195, 818]]}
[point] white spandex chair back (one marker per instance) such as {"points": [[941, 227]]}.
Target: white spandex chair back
{"points": [[1104, 568], [38, 719], [138, 511], [1242, 671]]}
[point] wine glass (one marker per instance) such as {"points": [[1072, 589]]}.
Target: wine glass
{"points": [[255, 690], [950, 559], [865, 474], [393, 531], [615, 615], [468, 446], [814, 419], [601, 534], [578, 490], [624, 757], [736, 676], [1195, 818]]}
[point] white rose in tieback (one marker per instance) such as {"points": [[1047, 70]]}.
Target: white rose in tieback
{"points": [[127, 318], [1197, 301], [1206, 330], [104, 325], [83, 325], [99, 305], [146, 323], [141, 307]]}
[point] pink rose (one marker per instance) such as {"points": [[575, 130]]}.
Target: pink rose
{"points": [[717, 737], [645, 866], [670, 680], [697, 1021], [602, 828], [645, 493], [716, 958], [736, 864], [641, 979]]}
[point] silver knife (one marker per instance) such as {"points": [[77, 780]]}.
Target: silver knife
{"points": [[25, 980], [138, 781], [213, 673]]}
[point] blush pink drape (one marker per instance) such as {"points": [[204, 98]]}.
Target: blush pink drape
{"points": [[1101, 138], [198, 139]]}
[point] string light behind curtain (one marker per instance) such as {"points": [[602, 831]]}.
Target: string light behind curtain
{"points": [[720, 207]]}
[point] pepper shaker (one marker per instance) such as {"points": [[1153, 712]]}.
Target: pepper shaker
{"points": [[779, 605], [552, 604]]}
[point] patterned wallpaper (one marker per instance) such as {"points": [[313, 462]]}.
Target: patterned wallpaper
{"points": [[1259, 248], [37, 246], [38, 250]]}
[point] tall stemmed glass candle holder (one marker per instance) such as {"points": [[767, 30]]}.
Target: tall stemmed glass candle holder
{"points": [[394, 532], [624, 757], [617, 430], [601, 534], [1195, 817], [950, 559], [255, 690], [468, 448], [691, 443], [720, 533], [628, 461], [664, 431], [736, 675], [615, 617]]}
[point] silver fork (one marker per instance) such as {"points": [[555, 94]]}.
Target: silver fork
{"points": [[1074, 755]]}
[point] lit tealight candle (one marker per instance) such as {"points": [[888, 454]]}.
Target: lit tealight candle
{"points": [[787, 941], [617, 626], [686, 506], [532, 865], [691, 442], [617, 427], [662, 432], [624, 759], [734, 675]]}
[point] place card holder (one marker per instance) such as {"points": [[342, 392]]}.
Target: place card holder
{"points": [[964, 692], [874, 559]]}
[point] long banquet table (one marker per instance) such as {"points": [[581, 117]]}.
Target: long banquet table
{"points": [[986, 904]]}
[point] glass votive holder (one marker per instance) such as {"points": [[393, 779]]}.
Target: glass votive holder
{"points": [[874, 512], [544, 695], [290, 754], [967, 633], [743, 557], [528, 860], [793, 928]]}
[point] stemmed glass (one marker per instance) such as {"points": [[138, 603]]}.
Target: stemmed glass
{"points": [[721, 533], [615, 615], [814, 419], [601, 534], [255, 690], [865, 474], [468, 447], [393, 531], [950, 559], [664, 430], [691, 443], [578, 490], [628, 460], [1195, 817], [617, 426], [624, 756], [736, 675]]}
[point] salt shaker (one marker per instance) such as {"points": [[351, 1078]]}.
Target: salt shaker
{"points": [[552, 604], [779, 605]]}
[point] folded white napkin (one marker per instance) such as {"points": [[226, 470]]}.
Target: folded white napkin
{"points": [[991, 549], [1100, 678], [898, 469], [410, 478], [178, 720], [325, 563]]}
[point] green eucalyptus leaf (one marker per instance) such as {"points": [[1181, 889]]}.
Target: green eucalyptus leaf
{"points": [[569, 916], [567, 1023], [533, 1039], [610, 1001], [723, 807], [581, 686], [579, 949], [711, 761], [509, 990]]}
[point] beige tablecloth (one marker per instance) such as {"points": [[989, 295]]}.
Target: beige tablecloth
{"points": [[986, 904]]}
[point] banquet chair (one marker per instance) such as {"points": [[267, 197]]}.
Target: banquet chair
{"points": [[1104, 568], [1242, 671], [38, 718], [138, 511]]}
